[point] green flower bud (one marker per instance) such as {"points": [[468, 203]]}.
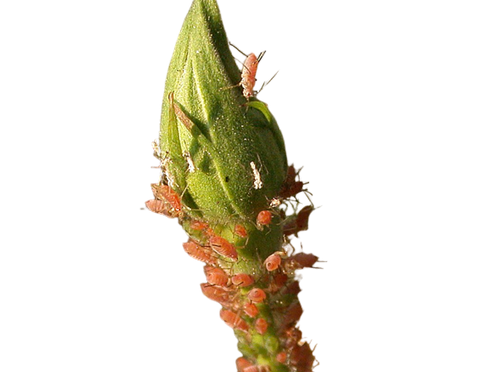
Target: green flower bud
{"points": [[223, 154]]}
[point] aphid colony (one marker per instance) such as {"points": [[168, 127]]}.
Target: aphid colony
{"points": [[261, 302]]}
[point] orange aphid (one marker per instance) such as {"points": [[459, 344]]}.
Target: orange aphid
{"points": [[223, 247], [250, 309], [257, 295], [198, 252], [233, 320], [241, 231], [302, 260], [242, 363], [248, 75], [242, 280], [261, 326], [215, 293], [216, 276], [198, 225], [273, 261], [164, 192], [281, 357], [163, 202], [264, 218]]}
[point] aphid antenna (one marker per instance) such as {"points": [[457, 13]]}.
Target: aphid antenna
{"points": [[267, 82], [237, 49], [260, 56]]}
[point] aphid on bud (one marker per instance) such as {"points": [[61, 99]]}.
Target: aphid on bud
{"points": [[242, 280], [198, 225], [292, 337], [216, 276], [215, 293], [241, 231], [281, 357], [198, 252], [252, 62], [310, 261], [223, 247], [257, 295], [291, 187], [250, 309], [233, 320], [302, 358], [273, 261], [172, 205], [264, 218], [299, 223], [261, 326], [293, 314], [242, 363]]}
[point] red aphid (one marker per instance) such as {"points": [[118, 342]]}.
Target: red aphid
{"points": [[251, 369], [299, 223], [292, 314], [242, 363], [257, 295], [249, 72], [273, 262], [250, 309], [242, 280], [171, 201], [281, 357], [233, 320], [223, 247], [291, 187], [198, 252], [216, 276], [214, 293], [264, 218], [310, 261], [198, 225], [241, 231], [261, 326], [302, 358]]}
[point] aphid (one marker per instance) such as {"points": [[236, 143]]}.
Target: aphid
{"points": [[273, 261], [242, 280], [198, 225], [292, 337], [216, 276], [264, 218], [261, 326], [257, 295], [252, 62], [166, 202], [302, 358], [278, 282], [249, 72], [310, 261], [233, 320], [292, 314], [291, 187], [281, 357], [198, 252], [250, 309], [215, 293], [223, 247], [257, 368], [241, 231], [299, 223], [241, 363]]}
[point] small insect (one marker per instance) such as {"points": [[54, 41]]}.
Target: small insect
{"points": [[278, 282], [291, 187], [242, 280], [310, 261], [273, 261], [257, 368], [302, 357], [299, 223], [261, 326], [292, 337], [241, 231], [198, 252], [233, 320], [250, 309], [257, 295], [251, 62], [223, 247], [166, 202], [242, 363], [264, 218], [292, 314], [215, 293], [198, 225], [216, 276], [281, 357]]}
